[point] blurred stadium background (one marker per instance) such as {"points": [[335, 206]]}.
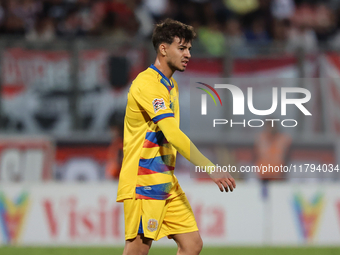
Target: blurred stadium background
{"points": [[65, 69]]}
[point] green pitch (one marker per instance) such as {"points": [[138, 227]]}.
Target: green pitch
{"points": [[168, 251]]}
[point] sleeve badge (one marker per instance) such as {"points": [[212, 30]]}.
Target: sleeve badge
{"points": [[158, 104]]}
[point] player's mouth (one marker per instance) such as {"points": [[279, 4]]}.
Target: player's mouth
{"points": [[185, 63]]}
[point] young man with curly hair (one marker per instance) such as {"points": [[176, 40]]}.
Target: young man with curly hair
{"points": [[154, 203]]}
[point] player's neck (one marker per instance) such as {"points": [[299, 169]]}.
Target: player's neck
{"points": [[164, 68]]}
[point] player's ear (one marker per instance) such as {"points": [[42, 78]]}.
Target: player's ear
{"points": [[162, 49]]}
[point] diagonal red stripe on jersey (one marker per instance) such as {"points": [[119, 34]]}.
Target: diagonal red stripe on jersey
{"points": [[138, 196], [149, 144], [145, 171]]}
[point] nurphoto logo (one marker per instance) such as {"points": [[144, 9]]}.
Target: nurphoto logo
{"points": [[238, 106]]}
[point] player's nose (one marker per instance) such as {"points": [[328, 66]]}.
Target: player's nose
{"points": [[187, 53]]}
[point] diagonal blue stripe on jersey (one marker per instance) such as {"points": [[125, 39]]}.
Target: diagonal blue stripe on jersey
{"points": [[156, 137], [159, 191], [158, 164]]}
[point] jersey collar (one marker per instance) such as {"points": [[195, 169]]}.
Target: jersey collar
{"points": [[165, 81]]}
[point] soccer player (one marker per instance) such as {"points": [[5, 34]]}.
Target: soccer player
{"points": [[154, 203]]}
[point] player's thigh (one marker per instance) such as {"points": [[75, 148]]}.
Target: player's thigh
{"points": [[179, 217], [137, 246], [188, 243]]}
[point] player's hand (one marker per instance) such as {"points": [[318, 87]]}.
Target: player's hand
{"points": [[224, 181]]}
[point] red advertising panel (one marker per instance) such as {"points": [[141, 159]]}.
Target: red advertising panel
{"points": [[26, 158], [24, 69], [81, 162]]}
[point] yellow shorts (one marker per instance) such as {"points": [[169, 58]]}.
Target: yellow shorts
{"points": [[158, 218]]}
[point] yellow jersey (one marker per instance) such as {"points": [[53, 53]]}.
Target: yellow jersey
{"points": [[149, 160]]}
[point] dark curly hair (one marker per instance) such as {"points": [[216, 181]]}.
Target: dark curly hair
{"points": [[166, 31]]}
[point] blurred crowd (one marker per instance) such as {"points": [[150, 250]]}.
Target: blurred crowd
{"points": [[291, 24]]}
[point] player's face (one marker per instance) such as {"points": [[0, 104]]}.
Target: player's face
{"points": [[178, 54]]}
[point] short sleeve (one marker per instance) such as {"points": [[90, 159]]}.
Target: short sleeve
{"points": [[155, 100]]}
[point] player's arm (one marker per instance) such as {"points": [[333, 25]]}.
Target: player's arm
{"points": [[187, 149]]}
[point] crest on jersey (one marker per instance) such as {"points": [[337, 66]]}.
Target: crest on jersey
{"points": [[152, 225], [158, 104]]}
